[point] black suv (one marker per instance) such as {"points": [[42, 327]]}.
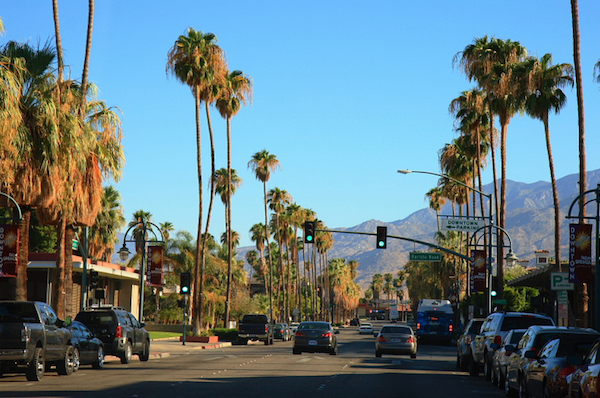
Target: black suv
{"points": [[119, 330]]}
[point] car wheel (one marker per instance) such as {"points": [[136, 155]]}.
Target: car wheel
{"points": [[473, 368], [487, 368], [333, 351], [145, 354], [464, 363], [242, 341], [414, 355], [457, 360], [35, 369], [545, 390], [296, 352], [501, 379], [267, 341], [76, 359], [494, 377], [522, 389], [67, 365], [378, 354], [508, 391], [99, 362], [126, 355]]}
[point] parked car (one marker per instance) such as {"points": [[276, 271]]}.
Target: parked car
{"points": [[255, 327], [294, 328], [365, 328], [281, 331], [396, 339], [88, 349], [463, 343], [315, 337], [493, 330], [532, 341], [547, 375], [119, 330], [501, 355], [33, 339], [586, 375]]}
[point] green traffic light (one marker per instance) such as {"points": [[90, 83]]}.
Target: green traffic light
{"points": [[184, 289], [381, 243], [493, 293], [309, 238]]}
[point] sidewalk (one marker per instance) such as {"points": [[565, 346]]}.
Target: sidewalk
{"points": [[163, 348]]}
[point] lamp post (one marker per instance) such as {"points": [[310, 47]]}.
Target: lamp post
{"points": [[490, 197], [143, 227]]}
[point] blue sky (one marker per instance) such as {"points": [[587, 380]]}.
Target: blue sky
{"points": [[345, 94]]}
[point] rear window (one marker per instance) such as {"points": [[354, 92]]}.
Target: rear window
{"points": [[516, 336], [314, 325], [256, 319], [96, 318], [523, 322], [475, 326], [575, 345], [400, 330], [18, 312]]}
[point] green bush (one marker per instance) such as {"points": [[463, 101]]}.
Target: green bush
{"points": [[225, 334]]}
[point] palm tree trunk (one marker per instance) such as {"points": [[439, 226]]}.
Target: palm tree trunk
{"points": [[198, 302], [21, 282], [59, 294], [269, 251], [581, 296], [228, 220], [554, 195], [88, 50]]}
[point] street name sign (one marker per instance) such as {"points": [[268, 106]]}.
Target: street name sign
{"points": [[418, 256], [461, 225]]}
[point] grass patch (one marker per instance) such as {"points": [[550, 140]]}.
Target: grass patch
{"points": [[163, 335]]}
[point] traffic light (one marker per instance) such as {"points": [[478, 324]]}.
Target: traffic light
{"points": [[93, 279], [186, 281], [309, 232], [381, 237]]}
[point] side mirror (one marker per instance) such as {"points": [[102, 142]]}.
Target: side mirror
{"points": [[509, 348], [531, 354], [495, 346]]}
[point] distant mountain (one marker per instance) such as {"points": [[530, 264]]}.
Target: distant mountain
{"points": [[529, 221]]}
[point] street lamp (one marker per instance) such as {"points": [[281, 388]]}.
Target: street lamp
{"points": [[143, 227], [490, 197]]}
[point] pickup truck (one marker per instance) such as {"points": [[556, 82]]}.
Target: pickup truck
{"points": [[32, 339], [255, 327]]}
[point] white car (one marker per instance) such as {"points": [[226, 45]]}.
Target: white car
{"points": [[365, 328], [294, 328]]}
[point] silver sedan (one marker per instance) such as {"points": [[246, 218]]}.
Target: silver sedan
{"points": [[396, 339]]}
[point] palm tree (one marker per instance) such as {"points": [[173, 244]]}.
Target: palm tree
{"points": [[257, 234], [197, 61], [103, 234], [262, 164], [234, 92], [545, 95], [88, 50], [491, 63]]}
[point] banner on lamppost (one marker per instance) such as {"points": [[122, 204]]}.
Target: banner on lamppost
{"points": [[580, 253], [478, 270], [155, 264], [9, 249]]}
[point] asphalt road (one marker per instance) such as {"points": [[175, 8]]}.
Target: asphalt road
{"points": [[267, 371]]}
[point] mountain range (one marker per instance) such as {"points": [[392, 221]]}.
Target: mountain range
{"points": [[529, 222]]}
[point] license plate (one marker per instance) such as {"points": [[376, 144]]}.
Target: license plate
{"points": [[312, 342], [433, 332], [252, 335], [395, 340]]}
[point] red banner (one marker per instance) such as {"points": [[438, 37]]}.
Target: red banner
{"points": [[155, 264], [478, 271], [9, 249], [580, 253]]}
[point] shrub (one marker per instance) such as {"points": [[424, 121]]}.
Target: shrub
{"points": [[225, 334]]}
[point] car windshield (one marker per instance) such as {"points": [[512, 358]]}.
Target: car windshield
{"points": [[314, 325]]}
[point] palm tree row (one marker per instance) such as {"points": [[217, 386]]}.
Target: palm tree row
{"points": [[198, 62], [59, 142]]}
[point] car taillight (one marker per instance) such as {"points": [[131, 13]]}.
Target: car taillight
{"points": [[564, 372], [468, 339], [411, 339], [119, 332], [266, 328], [300, 334], [418, 326], [498, 340], [450, 328], [381, 339], [25, 334], [328, 334]]}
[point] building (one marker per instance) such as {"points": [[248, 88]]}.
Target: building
{"points": [[120, 284]]}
